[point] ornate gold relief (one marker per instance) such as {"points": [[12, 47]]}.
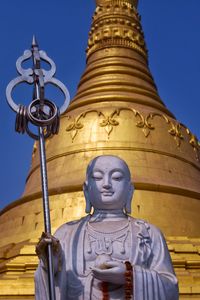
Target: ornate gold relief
{"points": [[126, 2], [74, 127], [144, 122], [175, 131], [194, 143], [109, 121], [116, 23]]}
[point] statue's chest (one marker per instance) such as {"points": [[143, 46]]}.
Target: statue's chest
{"points": [[116, 244]]}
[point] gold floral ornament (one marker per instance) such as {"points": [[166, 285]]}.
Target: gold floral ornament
{"points": [[74, 127], [144, 122], [194, 143], [175, 131], [108, 122]]}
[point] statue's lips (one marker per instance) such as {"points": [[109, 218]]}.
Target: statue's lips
{"points": [[107, 193]]}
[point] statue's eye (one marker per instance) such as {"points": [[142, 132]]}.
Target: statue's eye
{"points": [[97, 176], [118, 176]]}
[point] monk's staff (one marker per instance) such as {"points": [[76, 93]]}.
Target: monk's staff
{"points": [[45, 116]]}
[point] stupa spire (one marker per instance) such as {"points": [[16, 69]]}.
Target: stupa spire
{"points": [[102, 2], [116, 23], [117, 59]]}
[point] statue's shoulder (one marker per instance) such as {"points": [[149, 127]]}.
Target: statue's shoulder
{"points": [[139, 222], [151, 229], [69, 227]]}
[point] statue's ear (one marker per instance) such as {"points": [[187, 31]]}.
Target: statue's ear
{"points": [[87, 200], [129, 200]]}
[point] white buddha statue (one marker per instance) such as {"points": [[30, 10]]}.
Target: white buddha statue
{"points": [[107, 254]]}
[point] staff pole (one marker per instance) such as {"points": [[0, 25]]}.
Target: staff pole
{"points": [[45, 116]]}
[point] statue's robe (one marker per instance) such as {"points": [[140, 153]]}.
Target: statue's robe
{"points": [[153, 275]]}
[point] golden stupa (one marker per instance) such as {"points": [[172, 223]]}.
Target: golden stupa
{"points": [[116, 110]]}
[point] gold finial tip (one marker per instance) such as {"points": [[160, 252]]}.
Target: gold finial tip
{"points": [[102, 2]]}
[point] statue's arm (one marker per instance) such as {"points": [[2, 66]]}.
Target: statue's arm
{"points": [[57, 241], [157, 277], [41, 274], [41, 251]]}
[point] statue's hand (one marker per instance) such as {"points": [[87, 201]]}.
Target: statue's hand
{"points": [[113, 272], [45, 240]]}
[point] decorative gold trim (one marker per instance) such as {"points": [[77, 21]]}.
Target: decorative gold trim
{"points": [[108, 122], [194, 143], [117, 98], [116, 23], [176, 132], [175, 129], [143, 122], [128, 3]]}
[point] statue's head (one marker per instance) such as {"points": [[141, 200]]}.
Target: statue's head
{"points": [[108, 184]]}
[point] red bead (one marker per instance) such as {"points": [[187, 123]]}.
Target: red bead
{"points": [[128, 286], [128, 265], [128, 274]]}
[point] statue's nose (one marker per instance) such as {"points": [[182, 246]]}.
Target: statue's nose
{"points": [[107, 182]]}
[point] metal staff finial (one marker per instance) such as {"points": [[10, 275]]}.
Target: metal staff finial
{"points": [[41, 111], [34, 41], [43, 114]]}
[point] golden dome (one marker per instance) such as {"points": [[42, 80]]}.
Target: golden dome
{"points": [[117, 110]]}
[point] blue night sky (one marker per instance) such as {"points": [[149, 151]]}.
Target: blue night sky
{"points": [[172, 31]]}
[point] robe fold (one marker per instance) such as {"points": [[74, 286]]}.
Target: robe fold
{"points": [[153, 275]]}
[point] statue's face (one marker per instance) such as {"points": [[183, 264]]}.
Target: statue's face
{"points": [[108, 183]]}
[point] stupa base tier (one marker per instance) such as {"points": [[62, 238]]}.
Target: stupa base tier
{"points": [[18, 265], [21, 225]]}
